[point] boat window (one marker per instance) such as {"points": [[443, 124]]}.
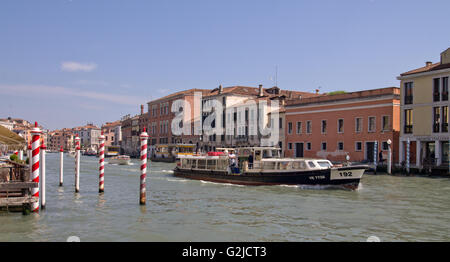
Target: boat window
{"points": [[324, 164], [299, 165], [269, 165], [211, 164], [201, 164], [311, 164]]}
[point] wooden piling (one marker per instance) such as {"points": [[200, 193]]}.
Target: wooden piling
{"points": [[61, 166]]}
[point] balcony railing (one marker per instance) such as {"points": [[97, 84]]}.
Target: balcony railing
{"points": [[445, 96], [436, 97], [436, 128], [444, 127], [408, 100], [408, 129]]}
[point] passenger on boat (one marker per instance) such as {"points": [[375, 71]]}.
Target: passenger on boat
{"points": [[250, 161]]}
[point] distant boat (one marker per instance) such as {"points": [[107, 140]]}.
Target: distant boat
{"points": [[72, 153], [120, 160]]}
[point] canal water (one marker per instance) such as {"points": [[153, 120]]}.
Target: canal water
{"points": [[390, 208]]}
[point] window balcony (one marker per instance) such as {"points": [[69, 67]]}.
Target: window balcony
{"points": [[436, 97], [408, 129], [408, 100], [436, 128]]}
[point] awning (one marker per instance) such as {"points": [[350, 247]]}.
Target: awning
{"points": [[10, 140]]}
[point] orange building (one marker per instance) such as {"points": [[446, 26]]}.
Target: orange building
{"points": [[334, 126]]}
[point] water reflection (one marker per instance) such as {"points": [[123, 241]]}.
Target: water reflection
{"points": [[391, 208]]}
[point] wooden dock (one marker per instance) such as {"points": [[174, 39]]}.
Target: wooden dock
{"points": [[15, 187]]}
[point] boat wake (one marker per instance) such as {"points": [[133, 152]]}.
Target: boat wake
{"points": [[225, 184]]}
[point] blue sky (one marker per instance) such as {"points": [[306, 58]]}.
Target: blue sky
{"points": [[64, 63]]}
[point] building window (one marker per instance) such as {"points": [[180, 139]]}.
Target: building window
{"points": [[299, 127], [358, 124], [372, 124], [280, 120], [436, 119], [308, 127], [340, 125], [445, 89], [290, 146], [408, 93], [324, 146], [308, 146], [385, 123], [408, 121], [384, 146], [290, 128], [445, 119], [340, 146], [436, 89], [324, 126], [358, 146]]}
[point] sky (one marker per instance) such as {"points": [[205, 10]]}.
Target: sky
{"points": [[64, 63]]}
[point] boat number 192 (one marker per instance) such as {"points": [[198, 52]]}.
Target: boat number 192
{"points": [[345, 174]]}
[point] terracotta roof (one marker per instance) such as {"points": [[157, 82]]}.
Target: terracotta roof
{"points": [[111, 124], [185, 92], [254, 91], [429, 68], [351, 95]]}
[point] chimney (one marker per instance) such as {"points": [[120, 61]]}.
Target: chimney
{"points": [[428, 63], [220, 89], [142, 109], [261, 93]]}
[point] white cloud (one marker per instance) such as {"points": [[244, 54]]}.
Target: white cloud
{"points": [[71, 66]]}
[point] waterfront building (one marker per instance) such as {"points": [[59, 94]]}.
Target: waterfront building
{"points": [[159, 117], [60, 138], [112, 132], [89, 136], [424, 114], [357, 124], [239, 118], [130, 136]]}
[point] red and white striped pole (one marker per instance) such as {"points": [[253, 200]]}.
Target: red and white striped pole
{"points": [[77, 164], [101, 161], [61, 166], [143, 195], [35, 145], [43, 202]]}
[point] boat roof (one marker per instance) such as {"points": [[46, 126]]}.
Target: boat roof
{"points": [[203, 157], [174, 145], [260, 148]]}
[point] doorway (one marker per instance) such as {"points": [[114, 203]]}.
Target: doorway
{"points": [[370, 146], [298, 149]]}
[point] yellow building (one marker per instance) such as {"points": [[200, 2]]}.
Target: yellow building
{"points": [[424, 114]]}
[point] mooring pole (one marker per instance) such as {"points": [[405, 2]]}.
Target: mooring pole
{"points": [[375, 151], [35, 146], [77, 164], [101, 161], [407, 155], [43, 202], [143, 195], [61, 166]]}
